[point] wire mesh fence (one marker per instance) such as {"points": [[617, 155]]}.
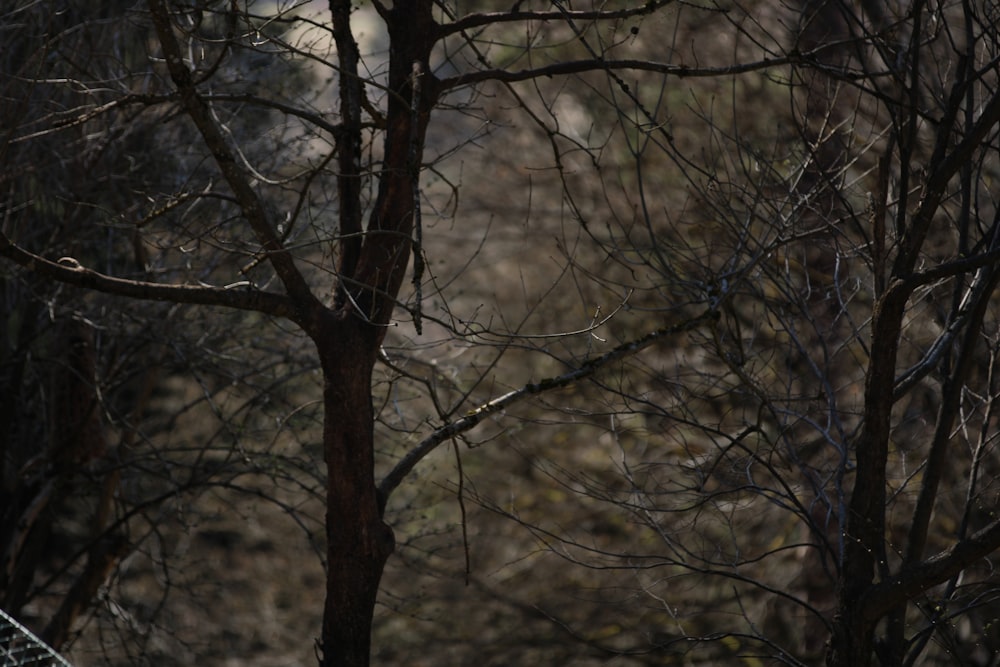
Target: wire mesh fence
{"points": [[19, 647]]}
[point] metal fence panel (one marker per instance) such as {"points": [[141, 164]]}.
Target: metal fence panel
{"points": [[19, 647]]}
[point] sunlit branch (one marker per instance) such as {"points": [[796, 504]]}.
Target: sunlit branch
{"points": [[69, 271], [94, 112], [247, 98], [480, 331], [477, 415]]}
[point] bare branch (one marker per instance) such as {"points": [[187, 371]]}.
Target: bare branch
{"points": [[253, 209], [69, 271], [248, 98], [497, 18], [598, 65], [89, 113], [919, 577], [475, 416], [976, 295], [944, 166]]}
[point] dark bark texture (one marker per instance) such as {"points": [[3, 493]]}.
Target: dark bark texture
{"points": [[371, 271]]}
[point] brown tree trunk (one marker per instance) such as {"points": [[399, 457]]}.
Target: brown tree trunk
{"points": [[853, 640], [349, 335], [358, 542], [851, 643]]}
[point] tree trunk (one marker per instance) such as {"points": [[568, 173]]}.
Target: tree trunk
{"points": [[371, 270], [358, 542], [852, 640]]}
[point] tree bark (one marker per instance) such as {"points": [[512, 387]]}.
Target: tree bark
{"points": [[358, 541], [348, 336], [853, 639]]}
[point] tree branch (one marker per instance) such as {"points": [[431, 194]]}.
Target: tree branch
{"points": [[89, 113], [944, 165], [348, 142], [248, 98], [975, 295], [919, 577], [496, 18], [952, 396], [595, 65], [250, 204], [69, 271], [477, 415]]}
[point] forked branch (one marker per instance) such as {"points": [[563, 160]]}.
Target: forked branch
{"points": [[238, 180], [920, 577], [69, 271], [477, 415]]}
